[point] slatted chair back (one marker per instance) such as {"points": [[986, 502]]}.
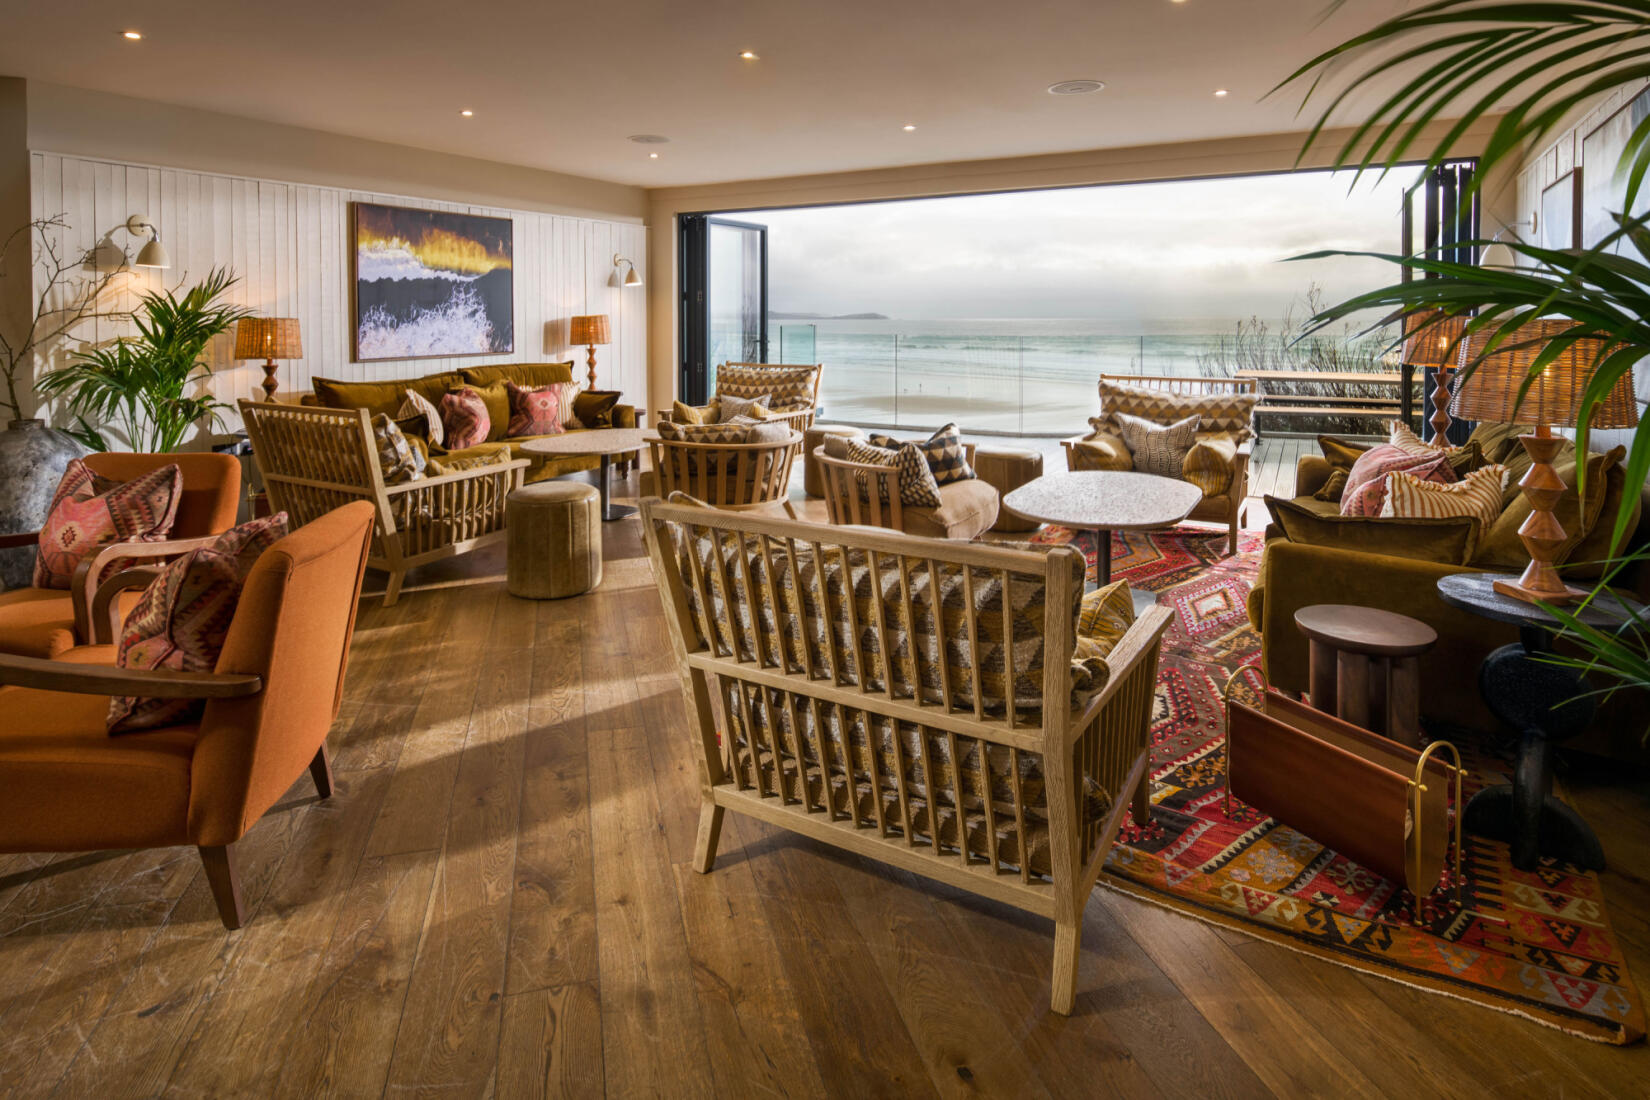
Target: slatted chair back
{"points": [[794, 387], [726, 475], [865, 494], [910, 699]]}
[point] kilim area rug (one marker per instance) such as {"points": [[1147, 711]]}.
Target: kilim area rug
{"points": [[1535, 944]]}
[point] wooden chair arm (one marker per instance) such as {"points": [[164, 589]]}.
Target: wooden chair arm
{"points": [[81, 593], [1139, 643], [19, 540], [47, 675], [103, 625], [457, 475]]}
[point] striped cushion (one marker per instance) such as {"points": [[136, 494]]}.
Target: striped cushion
{"points": [[1208, 465], [1478, 494], [1399, 435], [1157, 448], [415, 404], [1365, 491], [790, 387], [1216, 412], [947, 459]]}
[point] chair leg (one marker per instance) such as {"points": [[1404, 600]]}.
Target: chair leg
{"points": [[320, 770], [226, 886], [1068, 942], [710, 831], [392, 592], [1140, 806]]}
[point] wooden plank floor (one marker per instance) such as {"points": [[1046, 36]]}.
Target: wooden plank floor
{"points": [[498, 902]]}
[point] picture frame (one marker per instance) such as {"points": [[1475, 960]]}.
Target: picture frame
{"points": [[430, 284]]}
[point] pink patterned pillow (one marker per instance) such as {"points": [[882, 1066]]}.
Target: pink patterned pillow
{"points": [[464, 419], [83, 520], [1365, 491], [181, 620], [535, 411]]}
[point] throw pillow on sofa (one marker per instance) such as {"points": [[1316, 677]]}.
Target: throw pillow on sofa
{"points": [[1104, 449], [1157, 448], [682, 413], [594, 408], [916, 485], [729, 407], [88, 513], [399, 460], [535, 411], [1208, 465], [464, 419], [947, 460], [415, 404], [182, 619], [1449, 540], [1477, 495], [1365, 492]]}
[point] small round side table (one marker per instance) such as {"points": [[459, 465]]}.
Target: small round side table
{"points": [[1543, 702], [1365, 666]]}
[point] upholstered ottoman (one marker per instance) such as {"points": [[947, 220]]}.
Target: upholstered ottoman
{"points": [[813, 478], [553, 544], [1007, 469]]}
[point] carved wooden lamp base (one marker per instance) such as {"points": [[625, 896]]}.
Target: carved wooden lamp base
{"points": [[590, 363], [1440, 406], [269, 383], [1541, 534]]}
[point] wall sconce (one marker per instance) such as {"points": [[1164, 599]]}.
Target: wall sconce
{"points": [[152, 254], [631, 279]]}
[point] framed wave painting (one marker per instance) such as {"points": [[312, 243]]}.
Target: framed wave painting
{"points": [[431, 283]]}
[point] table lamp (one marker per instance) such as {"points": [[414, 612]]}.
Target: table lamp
{"points": [[590, 331], [1491, 392], [269, 339], [1433, 339]]}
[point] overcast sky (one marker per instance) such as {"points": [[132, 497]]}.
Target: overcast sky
{"points": [[1126, 253]]}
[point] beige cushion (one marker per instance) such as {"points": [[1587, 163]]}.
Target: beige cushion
{"points": [[967, 509]]}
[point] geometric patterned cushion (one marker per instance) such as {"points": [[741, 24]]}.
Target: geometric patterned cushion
{"points": [[789, 387], [720, 434], [464, 419], [1477, 494], [1216, 412], [1157, 448], [413, 404], [943, 450], [862, 451], [534, 411], [1208, 465], [82, 519], [1366, 482], [917, 487], [396, 457], [181, 620]]}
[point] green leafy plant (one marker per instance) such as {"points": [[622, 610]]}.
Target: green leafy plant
{"points": [[142, 385]]}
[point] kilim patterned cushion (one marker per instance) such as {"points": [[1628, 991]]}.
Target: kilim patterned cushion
{"points": [[1157, 448], [728, 407], [789, 387], [1208, 465], [414, 404], [397, 458], [1216, 412], [464, 419], [943, 450], [534, 411], [1478, 494], [1365, 491], [82, 519], [181, 620]]}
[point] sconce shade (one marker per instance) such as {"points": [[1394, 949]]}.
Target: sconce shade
{"points": [[1491, 390], [152, 254], [591, 329], [632, 279], [1432, 339], [268, 338]]}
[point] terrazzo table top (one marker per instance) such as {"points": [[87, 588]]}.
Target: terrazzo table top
{"points": [[598, 441], [1105, 500]]}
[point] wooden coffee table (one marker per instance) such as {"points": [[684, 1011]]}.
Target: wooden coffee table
{"points": [[605, 442], [1104, 501]]}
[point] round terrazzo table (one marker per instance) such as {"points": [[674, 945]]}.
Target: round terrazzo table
{"points": [[605, 442]]}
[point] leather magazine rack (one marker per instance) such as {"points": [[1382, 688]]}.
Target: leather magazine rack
{"points": [[1381, 804]]}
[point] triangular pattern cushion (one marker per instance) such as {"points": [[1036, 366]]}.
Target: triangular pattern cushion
{"points": [[181, 620], [943, 450], [82, 519], [788, 387], [1216, 412]]}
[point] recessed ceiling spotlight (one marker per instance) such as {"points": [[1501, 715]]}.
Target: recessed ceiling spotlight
{"points": [[649, 139], [748, 55], [132, 36], [1220, 92], [653, 156], [1076, 87], [467, 113], [909, 126]]}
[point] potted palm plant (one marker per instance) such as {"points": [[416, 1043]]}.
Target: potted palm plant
{"points": [[1532, 67], [141, 387]]}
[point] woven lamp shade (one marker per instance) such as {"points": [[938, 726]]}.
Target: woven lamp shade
{"points": [[589, 330], [268, 338], [1432, 339], [1491, 391]]}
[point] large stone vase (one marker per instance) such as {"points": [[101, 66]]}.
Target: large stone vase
{"points": [[32, 459]]}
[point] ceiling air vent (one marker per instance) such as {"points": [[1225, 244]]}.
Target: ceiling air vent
{"points": [[1076, 87]]}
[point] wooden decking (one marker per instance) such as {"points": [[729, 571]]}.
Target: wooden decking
{"points": [[498, 902]]}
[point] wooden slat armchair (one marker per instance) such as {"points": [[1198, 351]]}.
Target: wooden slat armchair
{"points": [[313, 460], [1180, 396], [881, 724], [725, 475], [71, 787], [793, 386], [855, 492]]}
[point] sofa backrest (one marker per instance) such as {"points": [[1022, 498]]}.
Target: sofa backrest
{"points": [[386, 396]]}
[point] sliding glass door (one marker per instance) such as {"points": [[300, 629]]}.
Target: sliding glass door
{"points": [[724, 299]]}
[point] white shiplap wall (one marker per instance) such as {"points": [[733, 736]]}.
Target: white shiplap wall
{"points": [[289, 243]]}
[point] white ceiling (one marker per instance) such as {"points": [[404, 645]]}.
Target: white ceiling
{"points": [[561, 86]]}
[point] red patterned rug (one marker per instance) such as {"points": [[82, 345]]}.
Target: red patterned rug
{"points": [[1535, 944]]}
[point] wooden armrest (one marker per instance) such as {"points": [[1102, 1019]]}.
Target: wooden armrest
{"points": [[45, 675], [103, 624], [19, 540], [81, 595], [456, 475]]}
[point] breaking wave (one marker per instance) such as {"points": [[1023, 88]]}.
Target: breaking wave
{"points": [[457, 327]]}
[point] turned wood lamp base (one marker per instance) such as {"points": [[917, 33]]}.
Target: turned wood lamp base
{"points": [[590, 363], [269, 383], [1541, 534]]}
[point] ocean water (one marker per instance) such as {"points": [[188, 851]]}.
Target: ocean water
{"points": [[1013, 375]]}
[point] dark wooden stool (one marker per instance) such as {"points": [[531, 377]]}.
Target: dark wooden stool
{"points": [[1365, 667]]}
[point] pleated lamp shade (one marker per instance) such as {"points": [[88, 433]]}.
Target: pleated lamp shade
{"points": [[1432, 339], [1491, 391], [268, 338], [589, 330]]}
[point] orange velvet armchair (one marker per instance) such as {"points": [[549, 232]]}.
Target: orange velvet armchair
{"points": [[269, 704], [44, 622]]}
